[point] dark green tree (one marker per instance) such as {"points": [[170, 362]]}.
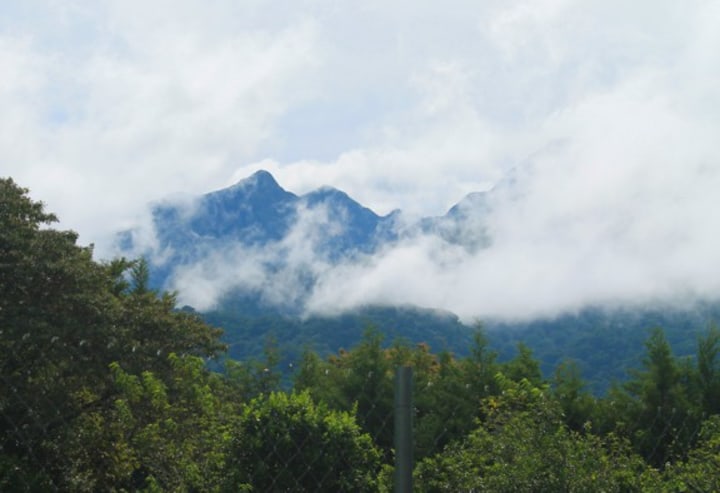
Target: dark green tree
{"points": [[708, 366], [523, 446], [701, 470], [568, 389], [360, 379], [253, 377], [523, 366], [448, 399], [64, 320], [657, 412], [140, 275], [287, 442]]}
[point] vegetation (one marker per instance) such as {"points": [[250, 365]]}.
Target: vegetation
{"points": [[287, 442], [602, 343], [105, 386]]}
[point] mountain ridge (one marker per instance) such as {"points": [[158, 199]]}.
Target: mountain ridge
{"points": [[276, 235], [258, 212]]}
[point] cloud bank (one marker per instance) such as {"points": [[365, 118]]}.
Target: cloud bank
{"points": [[603, 115]]}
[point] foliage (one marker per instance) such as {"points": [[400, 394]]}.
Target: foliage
{"points": [[287, 442], [253, 377], [65, 322], [568, 389], [708, 374], [448, 391], [604, 344], [524, 446], [360, 380], [655, 408], [449, 399], [701, 471], [248, 324], [106, 386]]}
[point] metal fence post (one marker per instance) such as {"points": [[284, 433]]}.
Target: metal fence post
{"points": [[403, 430]]}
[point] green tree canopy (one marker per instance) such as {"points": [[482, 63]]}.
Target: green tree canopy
{"points": [[287, 442], [64, 320]]}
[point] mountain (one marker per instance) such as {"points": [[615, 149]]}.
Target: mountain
{"points": [[267, 247], [348, 226], [285, 240], [255, 210], [258, 213], [464, 224]]}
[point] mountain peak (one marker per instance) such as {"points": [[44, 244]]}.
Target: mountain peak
{"points": [[260, 179], [259, 186], [258, 212]]}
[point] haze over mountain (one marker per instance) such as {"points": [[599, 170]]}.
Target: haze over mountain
{"points": [[323, 253], [258, 239]]}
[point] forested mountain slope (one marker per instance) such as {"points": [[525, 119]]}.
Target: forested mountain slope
{"points": [[604, 344], [251, 254]]}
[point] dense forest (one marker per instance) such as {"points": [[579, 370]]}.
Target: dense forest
{"points": [[604, 343], [106, 386]]}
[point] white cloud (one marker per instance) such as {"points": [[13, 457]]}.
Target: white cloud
{"points": [[620, 211], [605, 112], [155, 105], [279, 272]]}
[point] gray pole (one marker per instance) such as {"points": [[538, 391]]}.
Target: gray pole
{"points": [[403, 430]]}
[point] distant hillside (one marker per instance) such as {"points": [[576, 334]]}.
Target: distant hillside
{"points": [[254, 252], [604, 343], [247, 332]]}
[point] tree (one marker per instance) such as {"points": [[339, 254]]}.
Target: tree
{"points": [[708, 365], [449, 398], [653, 407], [569, 390], [701, 470], [523, 366], [140, 275], [53, 299], [250, 378], [65, 319], [287, 442], [481, 366], [361, 380], [523, 446]]}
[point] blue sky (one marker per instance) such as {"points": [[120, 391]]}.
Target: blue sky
{"points": [[607, 111]]}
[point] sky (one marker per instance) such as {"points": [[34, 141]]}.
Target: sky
{"points": [[604, 114]]}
